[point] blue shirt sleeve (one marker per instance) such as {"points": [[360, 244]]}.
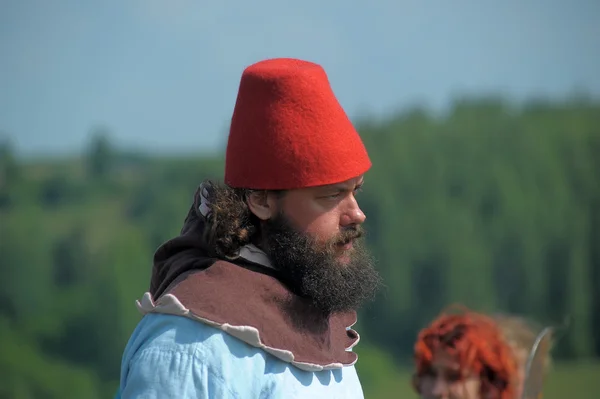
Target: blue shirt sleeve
{"points": [[163, 373], [172, 357]]}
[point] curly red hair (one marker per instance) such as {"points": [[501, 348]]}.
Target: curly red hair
{"points": [[476, 343]]}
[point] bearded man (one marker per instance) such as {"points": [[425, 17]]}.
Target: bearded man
{"points": [[257, 295]]}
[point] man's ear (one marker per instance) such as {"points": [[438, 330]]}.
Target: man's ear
{"points": [[262, 204]]}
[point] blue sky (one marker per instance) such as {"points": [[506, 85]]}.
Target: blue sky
{"points": [[163, 74]]}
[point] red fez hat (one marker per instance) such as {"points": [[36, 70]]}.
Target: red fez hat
{"points": [[289, 131]]}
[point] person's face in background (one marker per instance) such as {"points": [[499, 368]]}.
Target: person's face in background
{"points": [[445, 380]]}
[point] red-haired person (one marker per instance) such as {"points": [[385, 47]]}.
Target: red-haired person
{"points": [[469, 355]]}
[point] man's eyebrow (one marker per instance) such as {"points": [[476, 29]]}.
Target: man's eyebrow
{"points": [[346, 186]]}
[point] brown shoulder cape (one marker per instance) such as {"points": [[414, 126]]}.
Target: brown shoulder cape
{"points": [[248, 301]]}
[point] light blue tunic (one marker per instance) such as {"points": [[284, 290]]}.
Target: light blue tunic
{"points": [[174, 357]]}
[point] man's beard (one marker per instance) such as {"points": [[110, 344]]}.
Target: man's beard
{"points": [[312, 270]]}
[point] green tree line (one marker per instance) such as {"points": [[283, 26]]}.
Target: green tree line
{"points": [[492, 205]]}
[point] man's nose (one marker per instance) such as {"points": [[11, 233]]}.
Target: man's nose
{"points": [[353, 215]]}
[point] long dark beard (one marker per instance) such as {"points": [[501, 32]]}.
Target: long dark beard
{"points": [[313, 271]]}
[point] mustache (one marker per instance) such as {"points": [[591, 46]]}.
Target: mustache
{"points": [[350, 233]]}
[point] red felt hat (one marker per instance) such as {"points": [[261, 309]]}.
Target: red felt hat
{"points": [[289, 131]]}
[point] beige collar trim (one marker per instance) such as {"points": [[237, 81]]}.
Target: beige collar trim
{"points": [[169, 304]]}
